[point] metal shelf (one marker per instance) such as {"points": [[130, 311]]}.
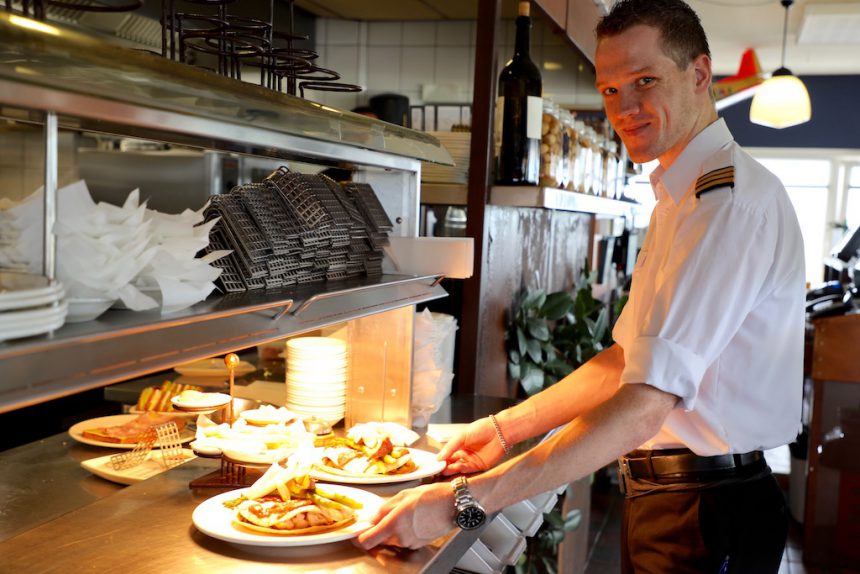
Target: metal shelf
{"points": [[551, 198], [96, 86], [126, 344]]}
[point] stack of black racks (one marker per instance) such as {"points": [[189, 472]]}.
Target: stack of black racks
{"points": [[296, 228]]}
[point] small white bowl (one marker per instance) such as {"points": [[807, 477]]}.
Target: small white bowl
{"points": [[86, 309]]}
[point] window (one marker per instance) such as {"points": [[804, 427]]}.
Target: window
{"points": [[807, 182], [852, 198]]}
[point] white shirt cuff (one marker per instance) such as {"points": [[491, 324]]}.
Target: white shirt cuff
{"points": [[664, 365]]}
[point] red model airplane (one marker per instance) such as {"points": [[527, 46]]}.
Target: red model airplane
{"points": [[732, 89]]}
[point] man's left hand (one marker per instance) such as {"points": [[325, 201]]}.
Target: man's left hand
{"points": [[412, 518]]}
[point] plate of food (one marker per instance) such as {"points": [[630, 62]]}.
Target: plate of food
{"points": [[286, 507], [101, 466], [343, 460], [122, 431]]}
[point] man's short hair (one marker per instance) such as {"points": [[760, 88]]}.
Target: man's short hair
{"points": [[680, 28]]}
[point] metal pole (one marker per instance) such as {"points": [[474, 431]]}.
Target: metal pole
{"points": [[49, 267]]}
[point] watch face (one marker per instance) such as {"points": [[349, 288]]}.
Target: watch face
{"points": [[470, 518]]}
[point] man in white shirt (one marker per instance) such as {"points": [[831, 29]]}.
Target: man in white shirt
{"points": [[707, 369]]}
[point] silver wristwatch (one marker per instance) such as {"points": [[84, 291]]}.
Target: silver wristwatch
{"points": [[469, 514]]}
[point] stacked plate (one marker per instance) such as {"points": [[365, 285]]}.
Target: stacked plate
{"points": [[30, 305], [458, 145], [316, 377]]}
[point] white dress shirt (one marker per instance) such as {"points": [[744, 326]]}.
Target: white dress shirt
{"points": [[716, 308]]}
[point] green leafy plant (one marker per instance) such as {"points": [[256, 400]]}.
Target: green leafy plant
{"points": [[549, 335]]}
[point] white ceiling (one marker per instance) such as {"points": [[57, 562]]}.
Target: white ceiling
{"points": [[732, 27]]}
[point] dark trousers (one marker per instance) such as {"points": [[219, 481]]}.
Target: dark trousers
{"points": [[732, 529]]}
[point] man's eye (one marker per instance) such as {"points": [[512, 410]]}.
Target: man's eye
{"points": [[609, 91], [645, 81]]}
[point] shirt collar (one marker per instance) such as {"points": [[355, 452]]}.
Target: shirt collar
{"points": [[677, 180]]}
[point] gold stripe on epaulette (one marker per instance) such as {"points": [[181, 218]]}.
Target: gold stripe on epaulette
{"points": [[723, 177]]}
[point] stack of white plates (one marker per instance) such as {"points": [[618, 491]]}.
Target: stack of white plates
{"points": [[316, 377], [30, 305], [458, 145]]}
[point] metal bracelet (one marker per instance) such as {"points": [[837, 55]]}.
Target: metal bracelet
{"points": [[505, 446]]}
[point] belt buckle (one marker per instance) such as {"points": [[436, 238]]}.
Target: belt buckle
{"points": [[623, 475]]}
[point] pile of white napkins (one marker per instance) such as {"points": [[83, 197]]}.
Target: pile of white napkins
{"points": [[137, 256], [11, 258]]}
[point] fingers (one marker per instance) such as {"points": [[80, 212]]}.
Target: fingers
{"points": [[379, 533], [450, 447]]}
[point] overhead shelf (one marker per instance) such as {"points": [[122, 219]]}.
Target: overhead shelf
{"points": [[551, 198], [93, 85], [126, 344]]}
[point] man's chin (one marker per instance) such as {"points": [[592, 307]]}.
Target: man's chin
{"points": [[640, 156]]}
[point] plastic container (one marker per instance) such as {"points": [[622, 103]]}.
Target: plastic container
{"points": [[568, 149], [585, 153], [551, 146]]}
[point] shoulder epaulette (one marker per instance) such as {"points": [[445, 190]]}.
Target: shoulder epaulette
{"points": [[723, 177]]}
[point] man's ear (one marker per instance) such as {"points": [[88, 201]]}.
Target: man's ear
{"points": [[702, 70]]}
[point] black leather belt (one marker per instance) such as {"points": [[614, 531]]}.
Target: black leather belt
{"points": [[683, 463]]}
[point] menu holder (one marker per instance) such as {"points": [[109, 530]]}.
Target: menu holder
{"points": [[169, 442]]}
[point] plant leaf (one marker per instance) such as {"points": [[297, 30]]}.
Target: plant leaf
{"points": [[538, 329], [572, 520], [514, 356], [558, 367], [522, 345], [533, 299], [600, 324], [534, 351], [556, 306], [514, 371], [531, 378], [591, 326]]}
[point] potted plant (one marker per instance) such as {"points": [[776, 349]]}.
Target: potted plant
{"points": [[548, 336]]}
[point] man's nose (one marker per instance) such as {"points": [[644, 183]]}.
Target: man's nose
{"points": [[628, 103]]}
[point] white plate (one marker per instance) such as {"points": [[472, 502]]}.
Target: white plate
{"points": [[12, 300], [37, 328], [87, 309], [424, 460], [213, 401], [101, 466], [18, 319], [213, 519], [270, 416], [77, 431], [213, 368]]}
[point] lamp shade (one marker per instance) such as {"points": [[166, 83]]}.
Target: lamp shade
{"points": [[780, 102]]}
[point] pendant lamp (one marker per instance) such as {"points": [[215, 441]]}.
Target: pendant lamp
{"points": [[782, 100]]}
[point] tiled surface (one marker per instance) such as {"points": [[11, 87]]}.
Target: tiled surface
{"points": [[433, 60], [605, 535]]}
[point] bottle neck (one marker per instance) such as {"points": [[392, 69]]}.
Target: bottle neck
{"points": [[521, 48]]}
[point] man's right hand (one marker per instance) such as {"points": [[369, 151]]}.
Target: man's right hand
{"points": [[474, 450]]}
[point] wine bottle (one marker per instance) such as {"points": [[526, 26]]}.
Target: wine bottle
{"points": [[518, 112]]}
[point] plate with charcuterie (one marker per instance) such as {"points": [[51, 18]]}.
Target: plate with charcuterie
{"points": [[123, 431]]}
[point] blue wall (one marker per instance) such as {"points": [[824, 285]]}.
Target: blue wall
{"points": [[835, 118]]}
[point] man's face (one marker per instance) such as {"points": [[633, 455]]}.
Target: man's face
{"points": [[652, 104]]}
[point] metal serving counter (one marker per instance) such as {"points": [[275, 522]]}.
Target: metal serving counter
{"points": [[56, 517]]}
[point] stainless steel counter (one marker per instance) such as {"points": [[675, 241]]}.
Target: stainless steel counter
{"points": [[56, 517]]}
